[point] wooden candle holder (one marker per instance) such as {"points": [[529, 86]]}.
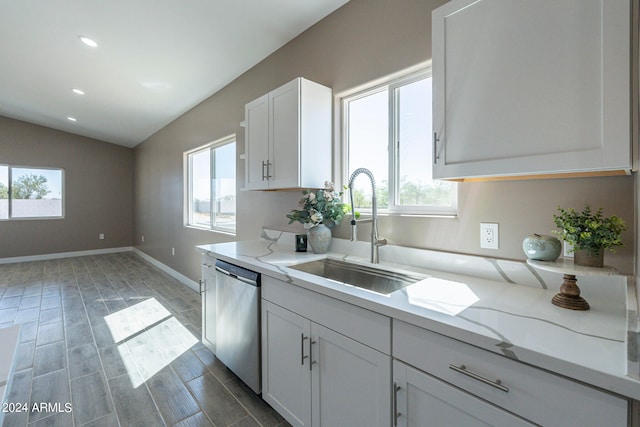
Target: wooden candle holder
{"points": [[569, 295]]}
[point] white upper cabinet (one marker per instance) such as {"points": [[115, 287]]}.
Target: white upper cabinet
{"points": [[256, 115], [288, 137], [531, 87]]}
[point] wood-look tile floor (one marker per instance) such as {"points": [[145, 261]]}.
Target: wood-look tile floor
{"points": [[110, 340]]}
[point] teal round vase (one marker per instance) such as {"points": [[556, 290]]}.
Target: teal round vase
{"points": [[543, 248], [319, 238]]}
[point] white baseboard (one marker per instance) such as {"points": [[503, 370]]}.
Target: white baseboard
{"points": [[170, 271], [44, 257], [60, 255]]}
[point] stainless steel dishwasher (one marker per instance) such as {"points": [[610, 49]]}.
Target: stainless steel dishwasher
{"points": [[238, 321]]}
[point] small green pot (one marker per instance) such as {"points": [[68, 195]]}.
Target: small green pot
{"points": [[543, 248]]}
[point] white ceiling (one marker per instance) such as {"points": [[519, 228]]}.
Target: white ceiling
{"points": [[155, 59]]}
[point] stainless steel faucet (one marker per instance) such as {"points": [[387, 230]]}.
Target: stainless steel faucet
{"points": [[376, 241]]}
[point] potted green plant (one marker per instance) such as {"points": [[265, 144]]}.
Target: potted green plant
{"points": [[320, 211], [590, 233]]}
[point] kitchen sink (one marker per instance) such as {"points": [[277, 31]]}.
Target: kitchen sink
{"points": [[365, 277]]}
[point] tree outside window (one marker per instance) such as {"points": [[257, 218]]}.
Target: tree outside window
{"points": [[30, 193], [387, 129]]}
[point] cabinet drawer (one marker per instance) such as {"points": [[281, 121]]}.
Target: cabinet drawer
{"points": [[422, 399], [367, 327], [532, 393]]}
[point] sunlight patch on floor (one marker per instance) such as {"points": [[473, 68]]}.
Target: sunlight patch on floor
{"points": [[132, 320], [149, 338]]}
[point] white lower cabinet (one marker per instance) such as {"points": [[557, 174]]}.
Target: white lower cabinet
{"points": [[286, 377], [349, 381], [208, 294], [329, 363], [421, 400], [457, 376], [315, 376]]}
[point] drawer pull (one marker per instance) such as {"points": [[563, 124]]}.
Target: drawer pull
{"points": [[463, 370]]}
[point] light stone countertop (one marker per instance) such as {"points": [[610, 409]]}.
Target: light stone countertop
{"points": [[502, 306]]}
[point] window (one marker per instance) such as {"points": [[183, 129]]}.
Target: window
{"points": [[211, 186], [31, 192], [387, 129]]}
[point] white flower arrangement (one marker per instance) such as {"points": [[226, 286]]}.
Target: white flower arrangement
{"points": [[321, 207]]}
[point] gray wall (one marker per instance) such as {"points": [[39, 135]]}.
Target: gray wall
{"points": [[363, 41], [98, 191]]}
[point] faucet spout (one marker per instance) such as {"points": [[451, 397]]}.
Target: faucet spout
{"points": [[376, 241]]}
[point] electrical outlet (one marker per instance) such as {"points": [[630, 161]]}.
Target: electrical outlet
{"points": [[489, 238], [568, 250], [142, 238], [173, 251], [101, 236]]}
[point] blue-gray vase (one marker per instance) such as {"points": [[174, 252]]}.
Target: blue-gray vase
{"points": [[543, 248], [319, 238]]}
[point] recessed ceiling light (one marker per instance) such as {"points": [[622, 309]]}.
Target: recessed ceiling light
{"points": [[77, 91], [88, 41], [72, 119]]}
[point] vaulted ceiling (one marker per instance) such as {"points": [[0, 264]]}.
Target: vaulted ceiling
{"points": [[154, 59]]}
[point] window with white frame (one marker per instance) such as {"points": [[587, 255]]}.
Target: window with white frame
{"points": [[31, 193], [387, 129], [211, 186]]}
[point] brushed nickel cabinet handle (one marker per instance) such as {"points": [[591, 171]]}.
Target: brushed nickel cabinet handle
{"points": [[264, 176], [496, 384], [312, 362], [269, 169], [396, 414], [302, 356]]}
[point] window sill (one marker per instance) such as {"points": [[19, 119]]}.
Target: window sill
{"points": [[367, 214], [214, 230], [31, 218]]}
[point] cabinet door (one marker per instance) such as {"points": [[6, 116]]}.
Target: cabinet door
{"points": [[351, 382], [208, 288], [284, 120], [286, 374], [530, 87], [257, 143], [421, 400]]}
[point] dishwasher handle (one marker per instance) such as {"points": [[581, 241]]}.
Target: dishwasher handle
{"points": [[246, 276]]}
